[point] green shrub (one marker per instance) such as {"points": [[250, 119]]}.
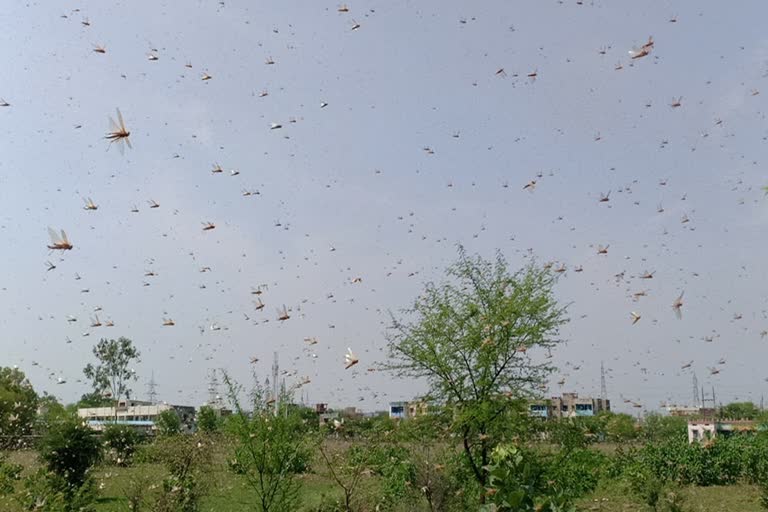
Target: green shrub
{"points": [[168, 423], [9, 474], [46, 491], [122, 441], [70, 449]]}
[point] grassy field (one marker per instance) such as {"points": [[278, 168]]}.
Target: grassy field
{"points": [[741, 498], [230, 492]]}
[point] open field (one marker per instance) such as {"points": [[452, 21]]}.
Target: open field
{"points": [[230, 492]]}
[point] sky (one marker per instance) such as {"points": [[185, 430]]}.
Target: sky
{"points": [[407, 128]]}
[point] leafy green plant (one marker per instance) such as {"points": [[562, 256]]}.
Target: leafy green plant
{"points": [[168, 423], [207, 419], [46, 491], [9, 475], [469, 338], [121, 441], [70, 449], [272, 447], [517, 484]]}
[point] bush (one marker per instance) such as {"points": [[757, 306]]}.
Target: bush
{"points": [[70, 449], [168, 423], [188, 460], [122, 441], [9, 474], [207, 419], [46, 491], [517, 484]]}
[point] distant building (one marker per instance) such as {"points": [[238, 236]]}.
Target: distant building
{"points": [[706, 429], [408, 410], [569, 405], [136, 414]]}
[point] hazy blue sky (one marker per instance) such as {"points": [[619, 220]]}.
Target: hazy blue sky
{"points": [[355, 175]]}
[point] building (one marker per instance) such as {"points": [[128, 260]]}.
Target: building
{"points": [[690, 410], [136, 414], [568, 405], [707, 429], [408, 410]]}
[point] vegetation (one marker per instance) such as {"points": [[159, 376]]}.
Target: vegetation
{"points": [[112, 374], [472, 339], [18, 408], [168, 423]]}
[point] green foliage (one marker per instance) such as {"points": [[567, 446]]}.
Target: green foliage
{"points": [[18, 408], [112, 373], [188, 459], [94, 399], [724, 461], [470, 337], [9, 474], [70, 449], [207, 419], [517, 484], [577, 471], [272, 447], [46, 491], [739, 411], [658, 428], [620, 428], [121, 441], [168, 423]]}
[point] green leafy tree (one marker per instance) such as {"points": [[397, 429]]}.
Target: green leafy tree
{"points": [[471, 338], [112, 375], [168, 423], [207, 419], [272, 448], [18, 408], [739, 411], [94, 399]]}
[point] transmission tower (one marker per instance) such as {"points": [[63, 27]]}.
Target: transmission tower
{"points": [[214, 398], [152, 389], [603, 387], [696, 400], [275, 373]]}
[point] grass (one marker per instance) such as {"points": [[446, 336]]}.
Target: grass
{"points": [[615, 498]]}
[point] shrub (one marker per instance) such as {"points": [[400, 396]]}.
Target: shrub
{"points": [[122, 441], [9, 474], [70, 449], [517, 484], [168, 423], [207, 419], [46, 491]]}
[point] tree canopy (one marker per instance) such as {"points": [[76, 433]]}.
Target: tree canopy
{"points": [[480, 341], [112, 373], [18, 407]]}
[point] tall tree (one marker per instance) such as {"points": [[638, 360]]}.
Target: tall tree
{"points": [[112, 373], [18, 407], [479, 340]]}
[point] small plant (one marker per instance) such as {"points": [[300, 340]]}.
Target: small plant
{"points": [[9, 474], [168, 423]]}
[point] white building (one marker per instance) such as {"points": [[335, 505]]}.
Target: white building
{"points": [[137, 414]]}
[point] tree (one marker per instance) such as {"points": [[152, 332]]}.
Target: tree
{"points": [[112, 373], [472, 339], [122, 441], [93, 399], [168, 423], [207, 419], [18, 407], [271, 448], [739, 411]]}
